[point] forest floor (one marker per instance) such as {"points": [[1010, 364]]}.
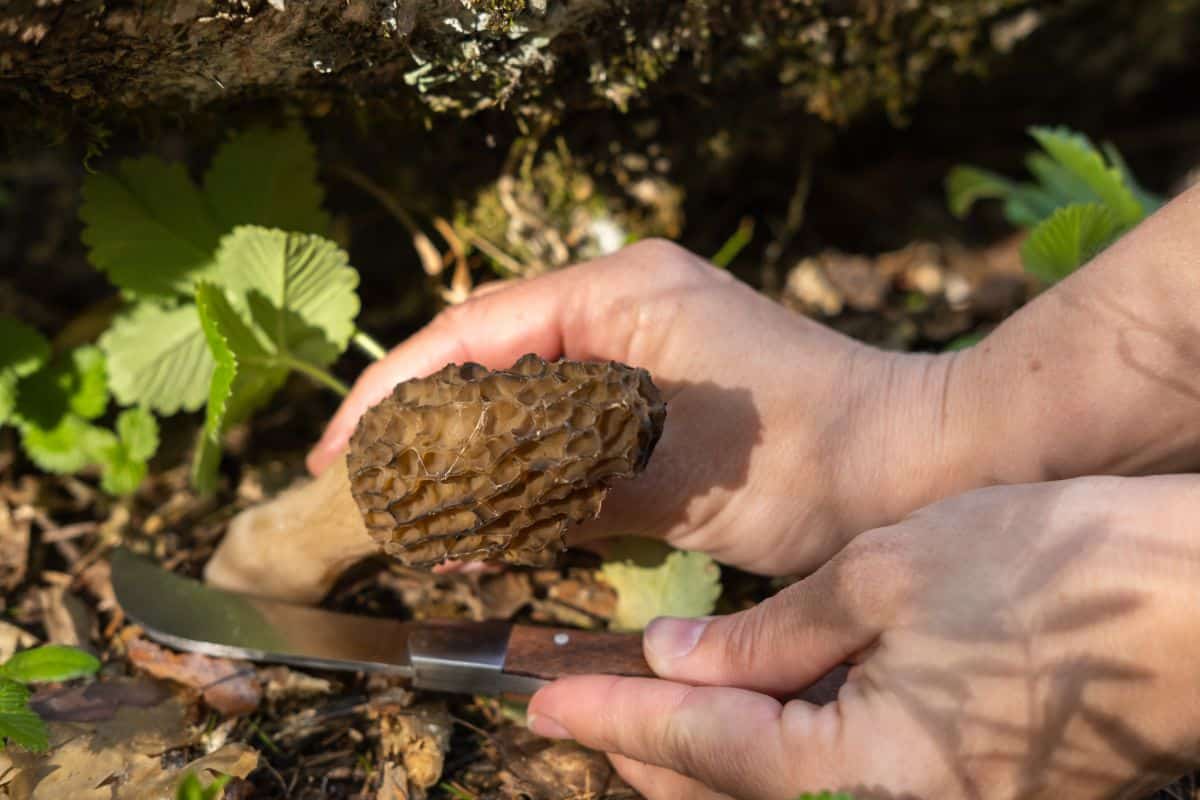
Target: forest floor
{"points": [[152, 716]]}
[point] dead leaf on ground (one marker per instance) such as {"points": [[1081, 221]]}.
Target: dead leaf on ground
{"points": [[113, 755], [67, 619], [505, 594], [545, 769], [415, 740], [281, 683], [13, 639], [226, 686], [14, 549]]}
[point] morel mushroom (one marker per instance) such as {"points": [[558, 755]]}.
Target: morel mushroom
{"points": [[464, 464]]}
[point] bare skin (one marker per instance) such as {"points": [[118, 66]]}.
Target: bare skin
{"points": [[1019, 641], [1033, 641]]}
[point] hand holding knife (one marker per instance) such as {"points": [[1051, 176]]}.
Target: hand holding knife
{"points": [[490, 658]]}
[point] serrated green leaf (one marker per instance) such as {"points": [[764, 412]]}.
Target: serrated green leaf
{"points": [[67, 447], [267, 176], [50, 662], [1060, 183], [246, 375], [87, 384], [965, 185], [653, 580], [1068, 240], [157, 358], [296, 290], [17, 722], [148, 228], [138, 431], [1149, 201], [23, 351], [1076, 153]]}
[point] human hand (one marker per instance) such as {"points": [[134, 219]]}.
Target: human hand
{"points": [[774, 425], [1033, 641]]}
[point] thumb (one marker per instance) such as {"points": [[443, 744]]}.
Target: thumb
{"points": [[794, 638]]}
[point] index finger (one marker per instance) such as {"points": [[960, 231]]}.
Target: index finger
{"points": [[736, 741]]}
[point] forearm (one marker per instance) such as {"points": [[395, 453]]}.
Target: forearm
{"points": [[1101, 374]]}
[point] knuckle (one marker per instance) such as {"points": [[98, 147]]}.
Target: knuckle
{"points": [[670, 262]]}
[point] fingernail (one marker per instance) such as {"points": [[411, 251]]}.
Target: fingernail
{"points": [[673, 637], [544, 726]]}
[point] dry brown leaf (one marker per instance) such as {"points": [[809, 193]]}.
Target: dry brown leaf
{"points": [[14, 549], [104, 759], [281, 683], [226, 686], [13, 639], [543, 769], [418, 738], [68, 620], [393, 783], [236, 759], [505, 594]]}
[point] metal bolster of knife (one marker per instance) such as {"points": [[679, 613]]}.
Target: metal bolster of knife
{"points": [[467, 657]]}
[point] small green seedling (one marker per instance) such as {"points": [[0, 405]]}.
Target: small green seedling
{"points": [[230, 285], [190, 788], [1081, 199], [54, 404], [19, 724]]}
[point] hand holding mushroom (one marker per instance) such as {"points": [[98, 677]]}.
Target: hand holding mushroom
{"points": [[786, 441]]}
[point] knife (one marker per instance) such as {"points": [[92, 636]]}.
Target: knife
{"points": [[490, 658]]}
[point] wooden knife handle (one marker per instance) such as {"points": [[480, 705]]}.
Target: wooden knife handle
{"points": [[550, 653]]}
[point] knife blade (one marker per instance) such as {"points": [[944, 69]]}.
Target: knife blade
{"points": [[469, 657], [493, 658]]}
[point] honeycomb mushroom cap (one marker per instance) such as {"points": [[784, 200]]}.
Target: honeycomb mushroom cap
{"points": [[474, 464]]}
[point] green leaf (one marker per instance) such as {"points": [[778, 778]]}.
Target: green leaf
{"points": [[1150, 202], [17, 722], [245, 377], [1075, 153], [1058, 182], [157, 358], [50, 662], [653, 580], [23, 351], [1068, 240], [296, 290], [123, 460], [825, 796], [67, 447], [148, 228], [267, 176], [87, 382], [190, 787], [965, 185], [965, 341]]}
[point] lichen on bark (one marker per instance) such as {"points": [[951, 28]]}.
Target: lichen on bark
{"points": [[835, 58]]}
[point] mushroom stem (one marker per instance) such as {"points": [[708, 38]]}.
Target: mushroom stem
{"points": [[296, 545]]}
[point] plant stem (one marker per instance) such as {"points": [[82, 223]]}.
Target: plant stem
{"points": [[317, 374], [364, 341]]}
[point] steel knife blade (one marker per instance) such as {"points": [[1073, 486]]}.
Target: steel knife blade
{"points": [[454, 656]]}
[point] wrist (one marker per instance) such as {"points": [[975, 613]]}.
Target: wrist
{"points": [[916, 434]]}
